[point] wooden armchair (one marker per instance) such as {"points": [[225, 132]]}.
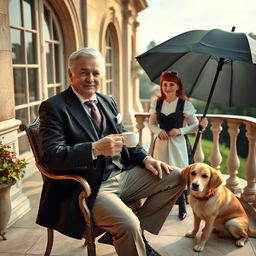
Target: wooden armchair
{"points": [[91, 231]]}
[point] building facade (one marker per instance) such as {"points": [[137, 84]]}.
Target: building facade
{"points": [[36, 38]]}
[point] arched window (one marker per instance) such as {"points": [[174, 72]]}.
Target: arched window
{"points": [[109, 57], [53, 49], [37, 67]]}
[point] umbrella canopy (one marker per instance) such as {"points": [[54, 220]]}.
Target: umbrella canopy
{"points": [[214, 65], [198, 55]]}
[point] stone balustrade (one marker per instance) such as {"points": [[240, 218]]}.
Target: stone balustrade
{"points": [[247, 193]]}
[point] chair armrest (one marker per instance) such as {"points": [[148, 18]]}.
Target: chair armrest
{"points": [[82, 196], [82, 181]]}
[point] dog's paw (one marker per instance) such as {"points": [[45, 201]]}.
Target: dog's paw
{"points": [[198, 248], [190, 235], [240, 242]]}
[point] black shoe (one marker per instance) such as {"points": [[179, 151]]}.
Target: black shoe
{"points": [[106, 239], [149, 250], [182, 207]]}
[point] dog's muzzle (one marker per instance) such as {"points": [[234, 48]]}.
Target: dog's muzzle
{"points": [[195, 186]]}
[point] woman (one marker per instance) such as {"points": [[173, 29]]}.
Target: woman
{"points": [[167, 117]]}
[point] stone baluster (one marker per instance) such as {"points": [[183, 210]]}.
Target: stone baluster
{"points": [[250, 167], [199, 154], [151, 146], [140, 118], [233, 161], [215, 157]]}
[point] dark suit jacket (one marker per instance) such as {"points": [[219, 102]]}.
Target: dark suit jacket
{"points": [[66, 134]]}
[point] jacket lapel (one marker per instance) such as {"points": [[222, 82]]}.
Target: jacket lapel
{"points": [[108, 113], [77, 111]]}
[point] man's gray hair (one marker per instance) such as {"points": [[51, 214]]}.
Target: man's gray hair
{"points": [[87, 52]]}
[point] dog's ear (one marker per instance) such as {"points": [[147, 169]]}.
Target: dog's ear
{"points": [[215, 179], [185, 174]]}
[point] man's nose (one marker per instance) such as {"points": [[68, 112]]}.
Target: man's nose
{"points": [[89, 76]]}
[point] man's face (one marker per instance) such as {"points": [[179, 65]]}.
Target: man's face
{"points": [[85, 76]]}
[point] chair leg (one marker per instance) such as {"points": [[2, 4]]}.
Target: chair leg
{"points": [[90, 240], [49, 242]]}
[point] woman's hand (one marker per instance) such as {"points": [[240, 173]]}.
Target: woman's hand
{"points": [[203, 122], [163, 135], [174, 132]]}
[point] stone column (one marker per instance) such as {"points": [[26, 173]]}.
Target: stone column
{"points": [[135, 74], [8, 124], [129, 119]]}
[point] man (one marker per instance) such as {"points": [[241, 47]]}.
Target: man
{"points": [[84, 138]]}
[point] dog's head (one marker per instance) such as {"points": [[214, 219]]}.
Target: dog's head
{"points": [[202, 178]]}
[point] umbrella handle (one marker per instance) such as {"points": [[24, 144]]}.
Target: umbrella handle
{"points": [[200, 128], [198, 136]]}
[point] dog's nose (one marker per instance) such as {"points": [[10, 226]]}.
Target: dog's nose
{"points": [[195, 186]]}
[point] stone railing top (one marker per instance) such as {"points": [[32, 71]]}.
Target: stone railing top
{"points": [[222, 116], [237, 117]]}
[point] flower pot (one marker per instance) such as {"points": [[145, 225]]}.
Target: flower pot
{"points": [[5, 207]]}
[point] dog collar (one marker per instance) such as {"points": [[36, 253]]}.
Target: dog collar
{"points": [[211, 194]]}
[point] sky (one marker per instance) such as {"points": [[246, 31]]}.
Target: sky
{"points": [[164, 19]]}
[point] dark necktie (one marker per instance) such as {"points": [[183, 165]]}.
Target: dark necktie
{"points": [[95, 114]]}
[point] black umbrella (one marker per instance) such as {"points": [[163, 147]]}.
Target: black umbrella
{"points": [[214, 65]]}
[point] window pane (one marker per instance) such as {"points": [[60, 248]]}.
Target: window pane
{"points": [[55, 32], [57, 63], [51, 92], [33, 113], [23, 144], [19, 86], [58, 89], [15, 13], [28, 11], [22, 115], [17, 47], [49, 64], [31, 47], [33, 85], [47, 25]]}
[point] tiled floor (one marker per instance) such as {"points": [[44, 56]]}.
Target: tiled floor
{"points": [[25, 238]]}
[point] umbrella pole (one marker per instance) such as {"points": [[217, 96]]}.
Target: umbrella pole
{"points": [[200, 128]]}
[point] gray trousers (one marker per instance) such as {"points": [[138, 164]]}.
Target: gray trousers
{"points": [[111, 213]]}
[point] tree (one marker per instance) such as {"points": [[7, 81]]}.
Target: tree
{"points": [[151, 45]]}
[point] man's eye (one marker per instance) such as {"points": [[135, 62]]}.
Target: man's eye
{"points": [[96, 74]]}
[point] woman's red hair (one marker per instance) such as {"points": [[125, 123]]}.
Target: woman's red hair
{"points": [[171, 76]]}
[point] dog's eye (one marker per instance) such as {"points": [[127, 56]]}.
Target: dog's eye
{"points": [[193, 173], [205, 176]]}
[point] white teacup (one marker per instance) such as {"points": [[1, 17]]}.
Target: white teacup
{"points": [[130, 139]]}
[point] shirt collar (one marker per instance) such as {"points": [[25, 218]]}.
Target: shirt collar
{"points": [[82, 99]]}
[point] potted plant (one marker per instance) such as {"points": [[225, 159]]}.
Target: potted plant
{"points": [[11, 170]]}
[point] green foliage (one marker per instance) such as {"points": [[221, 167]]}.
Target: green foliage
{"points": [[11, 168], [145, 86], [207, 148]]}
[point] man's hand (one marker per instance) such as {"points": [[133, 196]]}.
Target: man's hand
{"points": [[108, 146], [157, 166]]}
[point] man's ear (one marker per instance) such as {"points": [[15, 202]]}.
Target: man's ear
{"points": [[215, 180], [70, 74], [185, 174]]}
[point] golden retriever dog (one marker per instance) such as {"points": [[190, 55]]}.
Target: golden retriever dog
{"points": [[212, 202]]}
